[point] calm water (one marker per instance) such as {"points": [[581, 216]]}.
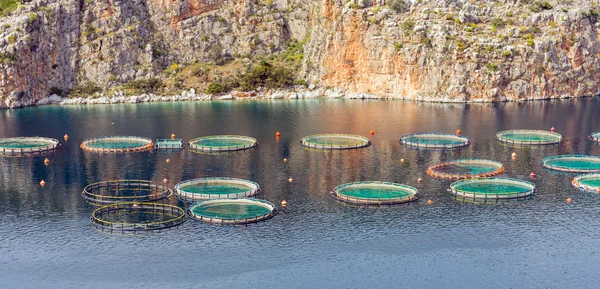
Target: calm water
{"points": [[47, 240]]}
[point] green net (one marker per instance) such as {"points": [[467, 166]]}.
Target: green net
{"points": [[215, 188], [434, 140], [588, 183], [335, 141], [117, 144], [27, 144], [222, 143], [375, 193], [493, 188], [465, 168], [529, 137], [232, 211], [572, 163]]}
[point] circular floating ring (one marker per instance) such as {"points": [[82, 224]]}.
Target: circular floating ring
{"points": [[117, 144], [215, 188], [589, 183], [529, 137], [572, 163], [132, 217], [375, 193], [465, 169], [595, 136], [435, 141], [222, 143], [123, 191], [27, 145], [335, 141], [492, 188], [232, 211]]}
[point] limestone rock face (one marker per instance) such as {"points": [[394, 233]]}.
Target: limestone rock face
{"points": [[432, 50]]}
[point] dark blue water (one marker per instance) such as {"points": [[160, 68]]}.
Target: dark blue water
{"points": [[47, 240]]}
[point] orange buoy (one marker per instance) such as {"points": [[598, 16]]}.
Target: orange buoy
{"points": [[283, 203], [532, 175], [458, 132], [402, 160], [552, 129], [165, 180], [277, 134], [569, 200], [419, 180], [134, 205], [372, 132], [429, 202], [285, 160], [46, 161], [168, 161], [173, 136], [290, 180], [514, 155], [42, 183], [66, 137]]}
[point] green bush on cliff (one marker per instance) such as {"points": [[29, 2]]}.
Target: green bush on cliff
{"points": [[264, 74], [147, 85], [85, 89], [8, 6]]}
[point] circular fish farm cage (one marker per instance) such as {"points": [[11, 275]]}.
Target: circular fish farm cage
{"points": [[492, 189], [117, 144], [435, 141], [375, 193], [521, 137], [572, 163], [335, 141], [215, 188], [123, 191], [27, 145], [465, 169], [589, 183], [137, 217], [232, 211], [222, 143], [595, 136]]}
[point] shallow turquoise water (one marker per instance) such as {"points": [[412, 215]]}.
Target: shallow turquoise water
{"points": [[530, 137], [20, 144], [316, 241], [434, 140], [116, 144]]}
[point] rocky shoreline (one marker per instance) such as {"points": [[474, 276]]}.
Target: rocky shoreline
{"points": [[296, 93]]}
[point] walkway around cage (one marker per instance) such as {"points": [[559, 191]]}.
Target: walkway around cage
{"points": [[222, 143], [20, 146], [172, 216], [117, 144], [487, 169], [335, 141], [215, 188], [232, 211], [375, 193], [524, 137], [572, 163], [115, 191], [168, 144], [435, 141], [589, 183], [492, 189]]}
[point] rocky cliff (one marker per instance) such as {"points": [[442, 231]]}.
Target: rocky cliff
{"points": [[442, 50]]}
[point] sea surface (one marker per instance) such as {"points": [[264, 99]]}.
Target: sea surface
{"points": [[48, 241]]}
